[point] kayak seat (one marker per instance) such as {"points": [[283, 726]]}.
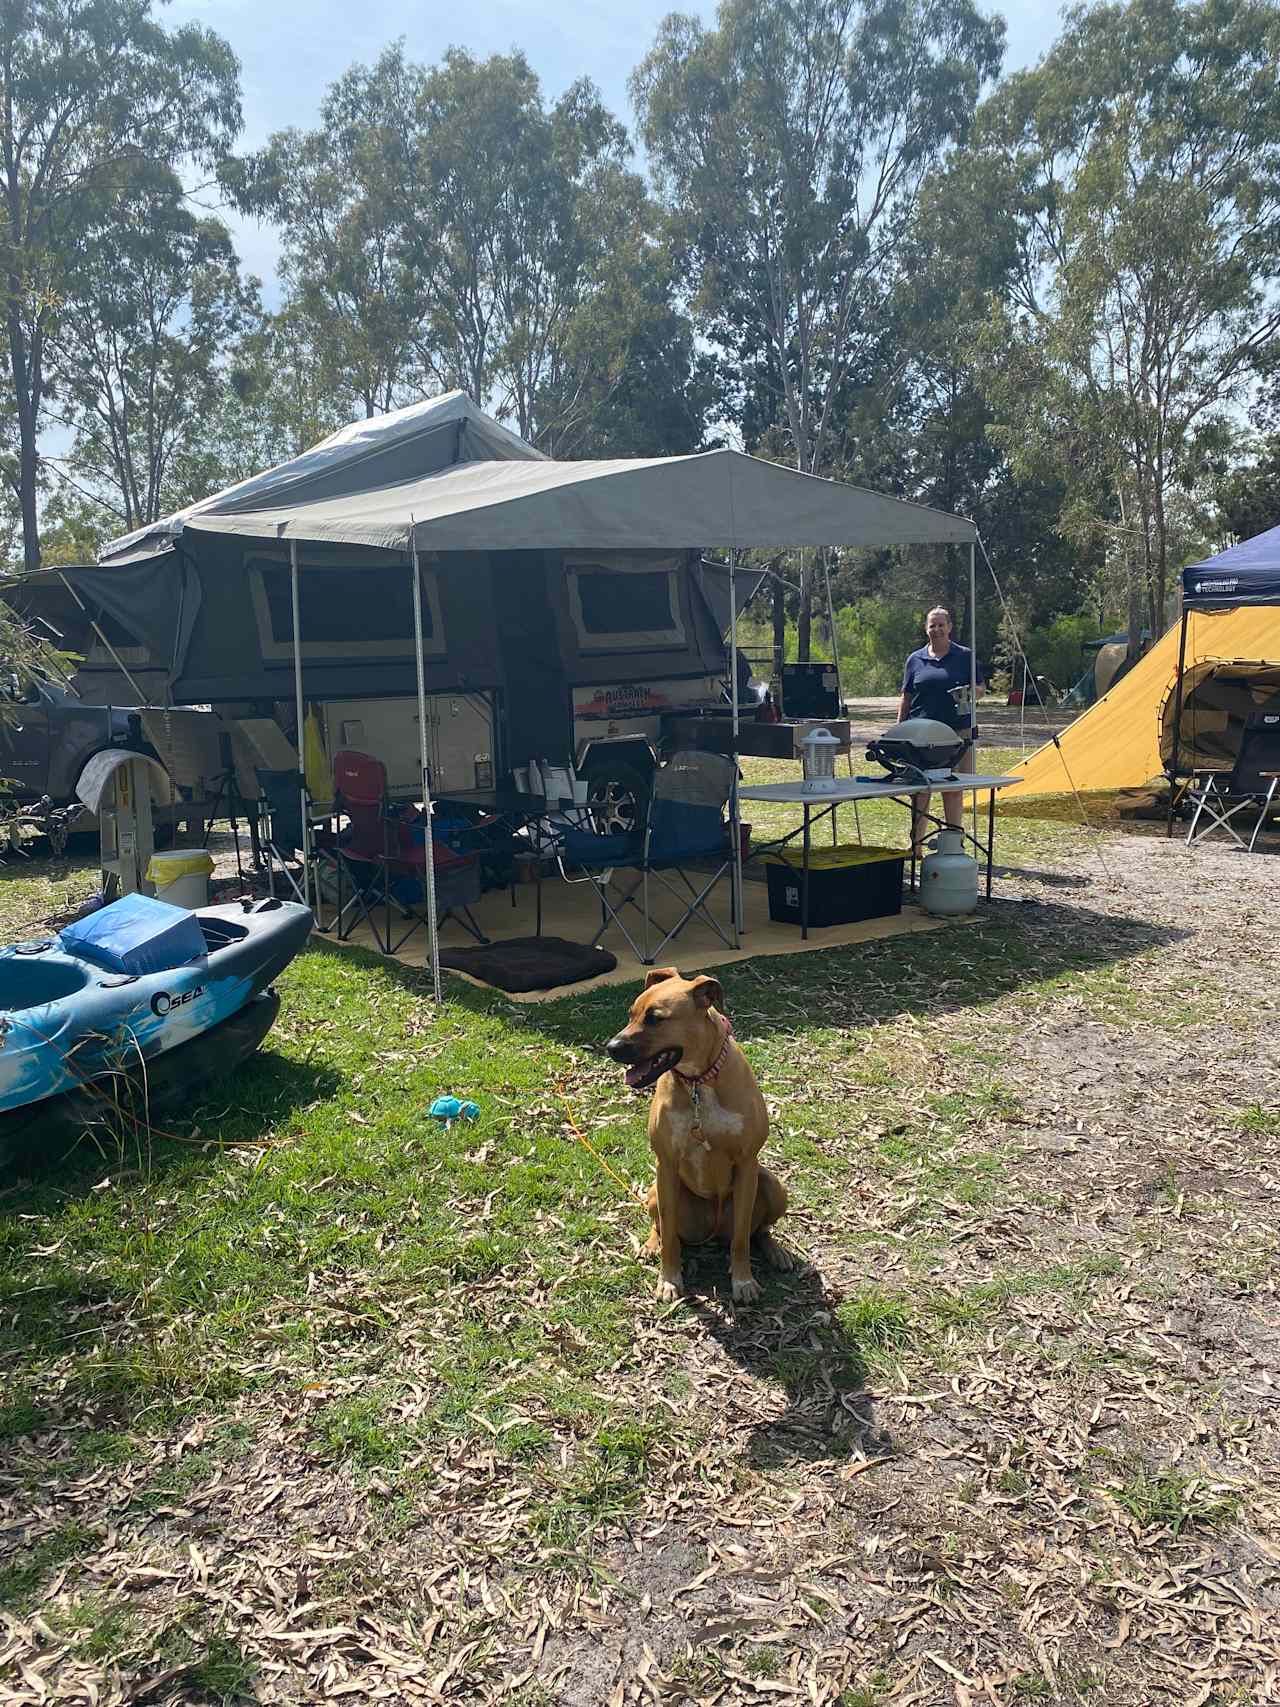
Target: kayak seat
{"points": [[30, 983]]}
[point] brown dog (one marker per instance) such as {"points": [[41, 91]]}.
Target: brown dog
{"points": [[707, 1125]]}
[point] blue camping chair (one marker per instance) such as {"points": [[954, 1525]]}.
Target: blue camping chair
{"points": [[684, 827]]}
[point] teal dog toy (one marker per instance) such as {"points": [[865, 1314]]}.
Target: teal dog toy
{"points": [[448, 1109]]}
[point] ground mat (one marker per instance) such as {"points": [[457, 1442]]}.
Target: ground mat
{"points": [[530, 962]]}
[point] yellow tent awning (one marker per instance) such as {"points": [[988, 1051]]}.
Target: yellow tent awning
{"points": [[1116, 743]]}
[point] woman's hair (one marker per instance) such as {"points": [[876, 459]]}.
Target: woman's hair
{"points": [[939, 610]]}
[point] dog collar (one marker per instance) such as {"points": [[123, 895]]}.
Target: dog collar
{"points": [[713, 1071]]}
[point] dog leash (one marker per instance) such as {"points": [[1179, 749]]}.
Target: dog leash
{"points": [[631, 1190]]}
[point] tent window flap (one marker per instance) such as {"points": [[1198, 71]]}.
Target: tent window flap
{"points": [[625, 606], [379, 624]]}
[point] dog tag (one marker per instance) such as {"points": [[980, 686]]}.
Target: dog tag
{"points": [[696, 1135]]}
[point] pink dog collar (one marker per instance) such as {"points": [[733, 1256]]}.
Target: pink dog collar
{"points": [[713, 1071]]}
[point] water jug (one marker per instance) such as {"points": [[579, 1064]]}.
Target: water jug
{"points": [[948, 877]]}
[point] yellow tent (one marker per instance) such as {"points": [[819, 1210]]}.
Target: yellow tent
{"points": [[1117, 742]]}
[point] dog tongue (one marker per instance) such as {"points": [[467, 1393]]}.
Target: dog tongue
{"points": [[636, 1075]]}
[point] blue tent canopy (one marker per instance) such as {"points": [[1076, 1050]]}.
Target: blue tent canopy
{"points": [[1247, 574]]}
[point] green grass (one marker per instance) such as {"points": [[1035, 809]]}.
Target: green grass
{"points": [[22, 1576], [305, 1243], [1170, 1499]]}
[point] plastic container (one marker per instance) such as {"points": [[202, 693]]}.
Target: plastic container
{"points": [[846, 884], [181, 876], [948, 877]]}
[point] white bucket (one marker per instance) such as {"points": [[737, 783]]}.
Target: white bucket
{"points": [[181, 876]]}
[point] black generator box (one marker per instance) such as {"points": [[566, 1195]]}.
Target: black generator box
{"points": [[846, 884], [810, 690]]}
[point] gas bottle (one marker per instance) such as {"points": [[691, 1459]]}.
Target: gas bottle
{"points": [[948, 877]]}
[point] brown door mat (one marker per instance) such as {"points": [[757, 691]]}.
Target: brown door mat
{"points": [[530, 962]]}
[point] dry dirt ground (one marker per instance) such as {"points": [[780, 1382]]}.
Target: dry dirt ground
{"points": [[1013, 1437]]}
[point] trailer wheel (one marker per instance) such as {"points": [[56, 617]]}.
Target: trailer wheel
{"points": [[618, 796]]}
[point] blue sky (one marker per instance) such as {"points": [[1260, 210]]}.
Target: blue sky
{"points": [[291, 50]]}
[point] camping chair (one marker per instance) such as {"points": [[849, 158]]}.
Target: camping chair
{"points": [[280, 833], [1252, 782], [385, 863], [684, 824]]}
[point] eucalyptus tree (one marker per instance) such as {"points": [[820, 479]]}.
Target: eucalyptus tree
{"points": [[343, 195], [88, 90], [789, 144], [1140, 161], [154, 301]]}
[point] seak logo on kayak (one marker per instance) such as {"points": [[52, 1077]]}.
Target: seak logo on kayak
{"points": [[163, 1003]]}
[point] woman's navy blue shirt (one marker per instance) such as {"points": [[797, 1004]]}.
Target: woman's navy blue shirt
{"points": [[929, 681]]}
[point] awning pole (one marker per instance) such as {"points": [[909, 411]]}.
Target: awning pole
{"points": [[433, 934], [735, 817], [302, 732], [973, 673], [1177, 720]]}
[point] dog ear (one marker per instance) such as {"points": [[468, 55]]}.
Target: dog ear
{"points": [[658, 974], [708, 993]]}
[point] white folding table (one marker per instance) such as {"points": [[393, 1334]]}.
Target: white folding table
{"points": [[818, 806]]}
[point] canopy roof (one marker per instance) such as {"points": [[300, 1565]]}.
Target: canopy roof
{"points": [[384, 451], [1247, 574], [470, 485], [719, 497]]}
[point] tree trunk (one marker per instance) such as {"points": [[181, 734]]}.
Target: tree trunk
{"points": [[804, 625], [28, 453], [779, 631], [1134, 589]]}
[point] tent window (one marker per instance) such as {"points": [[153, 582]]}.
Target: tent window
{"points": [[347, 610], [625, 608], [128, 648]]}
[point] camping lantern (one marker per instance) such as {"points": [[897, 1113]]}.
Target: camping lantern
{"points": [[818, 754]]}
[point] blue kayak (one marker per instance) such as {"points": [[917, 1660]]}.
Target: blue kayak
{"points": [[133, 984]]}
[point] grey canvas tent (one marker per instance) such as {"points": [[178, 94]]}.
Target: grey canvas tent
{"points": [[432, 550], [536, 576]]}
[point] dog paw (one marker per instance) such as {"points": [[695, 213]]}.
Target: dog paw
{"points": [[746, 1291], [669, 1290], [776, 1255]]}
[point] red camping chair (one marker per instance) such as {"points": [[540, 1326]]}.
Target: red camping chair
{"points": [[386, 865]]}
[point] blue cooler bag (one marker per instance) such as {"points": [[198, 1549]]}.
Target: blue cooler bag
{"points": [[135, 935]]}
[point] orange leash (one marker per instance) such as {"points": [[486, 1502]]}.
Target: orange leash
{"points": [[631, 1190]]}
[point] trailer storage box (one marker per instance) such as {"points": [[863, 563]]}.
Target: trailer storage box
{"points": [[846, 883]]}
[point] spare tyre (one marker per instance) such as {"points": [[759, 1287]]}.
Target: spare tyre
{"points": [[617, 794]]}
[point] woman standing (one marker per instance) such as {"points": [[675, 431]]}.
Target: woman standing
{"points": [[936, 683]]}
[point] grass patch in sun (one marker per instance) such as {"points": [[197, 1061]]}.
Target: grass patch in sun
{"points": [[878, 1322], [21, 1577], [1171, 1499]]}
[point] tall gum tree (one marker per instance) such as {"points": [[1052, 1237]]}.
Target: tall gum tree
{"points": [[1140, 163], [789, 145], [88, 90]]}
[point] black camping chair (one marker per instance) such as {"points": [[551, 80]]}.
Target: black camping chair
{"points": [[283, 839], [1251, 783]]}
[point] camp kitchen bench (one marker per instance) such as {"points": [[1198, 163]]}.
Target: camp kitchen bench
{"points": [[826, 804]]}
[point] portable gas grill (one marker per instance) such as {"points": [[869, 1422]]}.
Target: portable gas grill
{"points": [[919, 750]]}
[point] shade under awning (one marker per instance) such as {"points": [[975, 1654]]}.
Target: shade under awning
{"points": [[720, 498]]}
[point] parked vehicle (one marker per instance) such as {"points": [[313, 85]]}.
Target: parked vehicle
{"points": [[51, 734]]}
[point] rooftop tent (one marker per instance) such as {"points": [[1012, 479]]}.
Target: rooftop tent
{"points": [[209, 584]]}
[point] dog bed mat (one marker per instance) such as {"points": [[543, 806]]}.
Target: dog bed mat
{"points": [[530, 962]]}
